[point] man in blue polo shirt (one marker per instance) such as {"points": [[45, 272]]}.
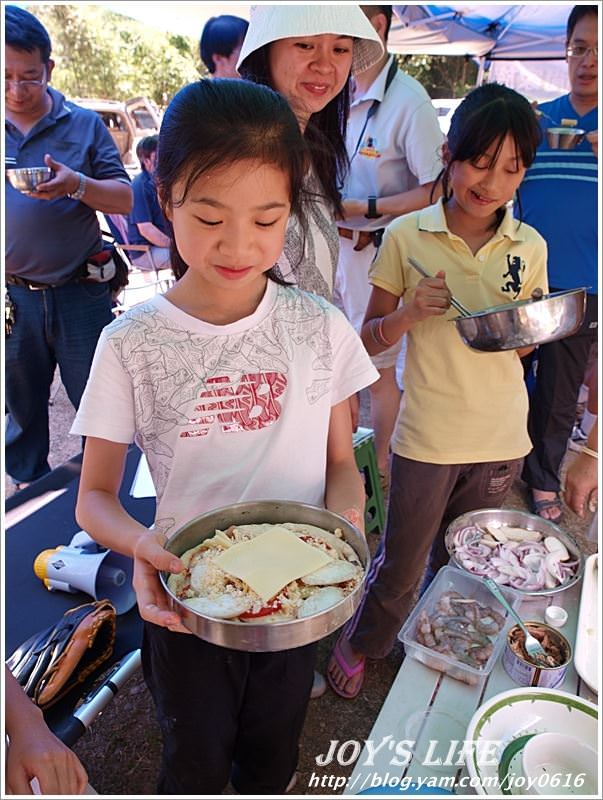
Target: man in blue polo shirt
{"points": [[146, 223], [55, 312], [559, 199]]}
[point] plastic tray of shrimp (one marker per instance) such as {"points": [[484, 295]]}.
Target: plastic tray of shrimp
{"points": [[458, 627]]}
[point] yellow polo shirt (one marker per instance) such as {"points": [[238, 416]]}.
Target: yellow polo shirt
{"points": [[460, 406]]}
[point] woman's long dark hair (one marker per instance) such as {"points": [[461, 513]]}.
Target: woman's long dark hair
{"points": [[485, 117], [324, 133], [214, 123]]}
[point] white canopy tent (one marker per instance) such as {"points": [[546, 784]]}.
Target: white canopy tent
{"points": [[521, 44]]}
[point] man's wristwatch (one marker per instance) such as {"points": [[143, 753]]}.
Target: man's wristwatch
{"points": [[372, 208], [81, 187]]}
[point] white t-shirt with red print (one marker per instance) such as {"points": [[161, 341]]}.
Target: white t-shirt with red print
{"points": [[225, 413]]}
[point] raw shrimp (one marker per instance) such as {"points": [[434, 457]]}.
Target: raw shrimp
{"points": [[459, 627]]}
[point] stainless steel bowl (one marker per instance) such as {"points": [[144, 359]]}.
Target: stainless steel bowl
{"points": [[564, 138], [519, 519], [268, 637], [25, 179], [524, 323]]}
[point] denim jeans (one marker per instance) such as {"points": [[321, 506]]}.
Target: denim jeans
{"points": [[52, 326]]}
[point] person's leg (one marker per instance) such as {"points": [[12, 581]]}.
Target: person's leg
{"points": [[418, 498], [561, 368], [160, 257], [351, 279], [271, 720], [592, 381], [385, 404], [151, 262], [479, 486], [82, 310], [198, 691], [29, 369]]}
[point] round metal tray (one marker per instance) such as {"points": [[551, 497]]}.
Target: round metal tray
{"points": [[268, 637], [519, 519]]}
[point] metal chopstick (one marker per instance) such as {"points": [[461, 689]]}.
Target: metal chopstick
{"points": [[463, 310]]}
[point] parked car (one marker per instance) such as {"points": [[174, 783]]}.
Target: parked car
{"points": [[127, 122], [445, 108]]}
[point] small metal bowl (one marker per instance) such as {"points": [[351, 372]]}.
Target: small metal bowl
{"points": [[564, 138], [271, 637], [525, 323], [25, 179], [517, 519]]}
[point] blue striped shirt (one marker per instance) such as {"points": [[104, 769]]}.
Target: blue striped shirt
{"points": [[559, 199]]}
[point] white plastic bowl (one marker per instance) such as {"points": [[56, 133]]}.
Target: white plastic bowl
{"points": [[550, 754]]}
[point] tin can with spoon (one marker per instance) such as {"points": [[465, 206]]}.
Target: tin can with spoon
{"points": [[523, 670]]}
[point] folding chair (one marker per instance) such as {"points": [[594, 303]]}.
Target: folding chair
{"points": [[139, 288]]}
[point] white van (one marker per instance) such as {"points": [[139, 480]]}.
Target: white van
{"points": [[127, 123]]}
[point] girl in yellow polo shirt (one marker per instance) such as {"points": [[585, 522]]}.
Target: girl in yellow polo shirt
{"points": [[461, 432]]}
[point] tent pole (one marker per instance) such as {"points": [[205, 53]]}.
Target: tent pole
{"points": [[480, 71]]}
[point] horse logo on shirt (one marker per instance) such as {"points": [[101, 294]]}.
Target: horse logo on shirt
{"points": [[515, 269]]}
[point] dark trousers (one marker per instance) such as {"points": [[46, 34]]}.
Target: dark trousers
{"points": [[52, 326], [559, 374], [424, 500], [226, 714]]}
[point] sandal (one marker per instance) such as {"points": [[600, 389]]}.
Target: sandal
{"points": [[538, 506], [348, 671]]}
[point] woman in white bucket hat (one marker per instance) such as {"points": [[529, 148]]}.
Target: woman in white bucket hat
{"points": [[308, 54]]}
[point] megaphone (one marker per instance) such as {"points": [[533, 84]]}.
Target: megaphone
{"points": [[85, 566]]}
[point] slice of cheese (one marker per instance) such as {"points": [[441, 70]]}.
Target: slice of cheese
{"points": [[271, 560]]}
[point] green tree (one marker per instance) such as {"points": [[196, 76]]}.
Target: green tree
{"points": [[105, 55], [441, 76]]}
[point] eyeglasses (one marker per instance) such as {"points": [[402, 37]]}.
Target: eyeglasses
{"points": [[580, 50], [24, 84]]}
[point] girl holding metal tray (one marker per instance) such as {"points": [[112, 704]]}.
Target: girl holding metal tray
{"points": [[235, 386]]}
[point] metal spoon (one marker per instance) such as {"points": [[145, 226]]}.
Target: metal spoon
{"points": [[463, 310], [540, 113], [533, 647]]}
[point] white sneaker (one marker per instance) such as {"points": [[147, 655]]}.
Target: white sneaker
{"points": [[578, 438], [319, 686]]}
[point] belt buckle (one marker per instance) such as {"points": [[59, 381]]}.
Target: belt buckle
{"points": [[33, 288]]}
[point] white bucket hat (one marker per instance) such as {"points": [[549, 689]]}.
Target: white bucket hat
{"points": [[270, 23]]}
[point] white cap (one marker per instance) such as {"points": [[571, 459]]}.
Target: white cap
{"points": [[270, 23], [555, 616]]}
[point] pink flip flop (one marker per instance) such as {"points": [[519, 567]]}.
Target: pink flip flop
{"points": [[347, 670]]}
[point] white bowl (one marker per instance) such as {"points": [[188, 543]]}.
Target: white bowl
{"points": [[555, 616], [501, 728], [548, 754]]}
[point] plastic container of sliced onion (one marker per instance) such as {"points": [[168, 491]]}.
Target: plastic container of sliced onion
{"points": [[516, 549]]}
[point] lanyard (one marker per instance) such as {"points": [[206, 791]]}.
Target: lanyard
{"points": [[391, 74]]}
